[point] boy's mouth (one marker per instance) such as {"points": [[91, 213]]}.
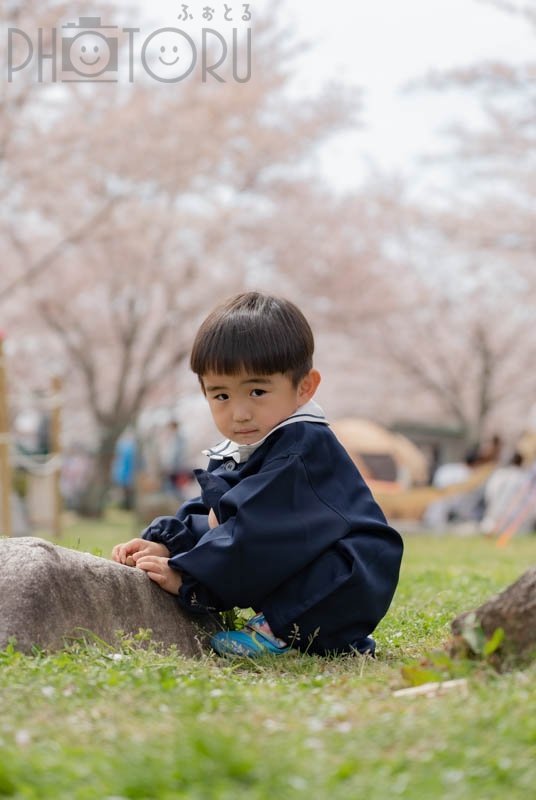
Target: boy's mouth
{"points": [[246, 433]]}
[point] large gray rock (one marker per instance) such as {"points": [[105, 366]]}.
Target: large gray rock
{"points": [[49, 594]]}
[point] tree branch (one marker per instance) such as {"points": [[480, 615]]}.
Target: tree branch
{"points": [[44, 262]]}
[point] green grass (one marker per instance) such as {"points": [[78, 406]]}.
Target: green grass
{"points": [[90, 723], [96, 536]]}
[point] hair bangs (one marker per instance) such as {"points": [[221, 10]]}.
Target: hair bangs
{"points": [[256, 333]]}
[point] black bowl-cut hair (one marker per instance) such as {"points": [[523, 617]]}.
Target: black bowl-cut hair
{"points": [[255, 332]]}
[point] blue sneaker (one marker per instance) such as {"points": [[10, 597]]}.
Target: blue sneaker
{"points": [[257, 623], [246, 642]]}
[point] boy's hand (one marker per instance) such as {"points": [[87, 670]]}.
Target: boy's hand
{"points": [[159, 571], [212, 519], [129, 552]]}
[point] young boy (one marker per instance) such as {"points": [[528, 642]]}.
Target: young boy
{"points": [[285, 523]]}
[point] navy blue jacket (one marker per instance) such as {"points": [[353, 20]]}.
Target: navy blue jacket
{"points": [[300, 538]]}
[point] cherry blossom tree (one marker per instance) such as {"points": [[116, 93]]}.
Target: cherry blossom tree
{"points": [[471, 339], [132, 211]]}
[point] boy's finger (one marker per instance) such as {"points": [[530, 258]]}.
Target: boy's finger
{"points": [[141, 554], [147, 562], [152, 559]]}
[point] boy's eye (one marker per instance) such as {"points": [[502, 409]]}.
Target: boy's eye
{"points": [[221, 396], [258, 392]]}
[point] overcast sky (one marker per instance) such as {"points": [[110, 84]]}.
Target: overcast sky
{"points": [[380, 45], [383, 44]]}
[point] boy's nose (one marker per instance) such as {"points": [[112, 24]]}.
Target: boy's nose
{"points": [[241, 414]]}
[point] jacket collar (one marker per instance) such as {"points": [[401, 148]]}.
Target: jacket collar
{"points": [[310, 412]]}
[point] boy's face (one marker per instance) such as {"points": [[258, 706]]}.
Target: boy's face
{"points": [[245, 407]]}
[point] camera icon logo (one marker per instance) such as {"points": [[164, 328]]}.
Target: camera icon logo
{"points": [[90, 52]]}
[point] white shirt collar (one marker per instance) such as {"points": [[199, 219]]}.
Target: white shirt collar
{"points": [[310, 412]]}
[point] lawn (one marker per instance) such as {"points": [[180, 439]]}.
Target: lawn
{"points": [[92, 723]]}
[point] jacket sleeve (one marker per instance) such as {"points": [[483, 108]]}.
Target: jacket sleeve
{"points": [[272, 524], [181, 532]]}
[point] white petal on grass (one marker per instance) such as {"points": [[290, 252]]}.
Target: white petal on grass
{"points": [[452, 776], [337, 709], [22, 737], [272, 725], [314, 744], [297, 782]]}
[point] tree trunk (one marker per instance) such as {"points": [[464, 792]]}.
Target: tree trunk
{"points": [[513, 611], [93, 499]]}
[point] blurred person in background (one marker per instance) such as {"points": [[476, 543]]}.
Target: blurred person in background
{"points": [[124, 468], [173, 467], [75, 475], [505, 485]]}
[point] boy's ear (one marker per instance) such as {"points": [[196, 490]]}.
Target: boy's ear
{"points": [[308, 386]]}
